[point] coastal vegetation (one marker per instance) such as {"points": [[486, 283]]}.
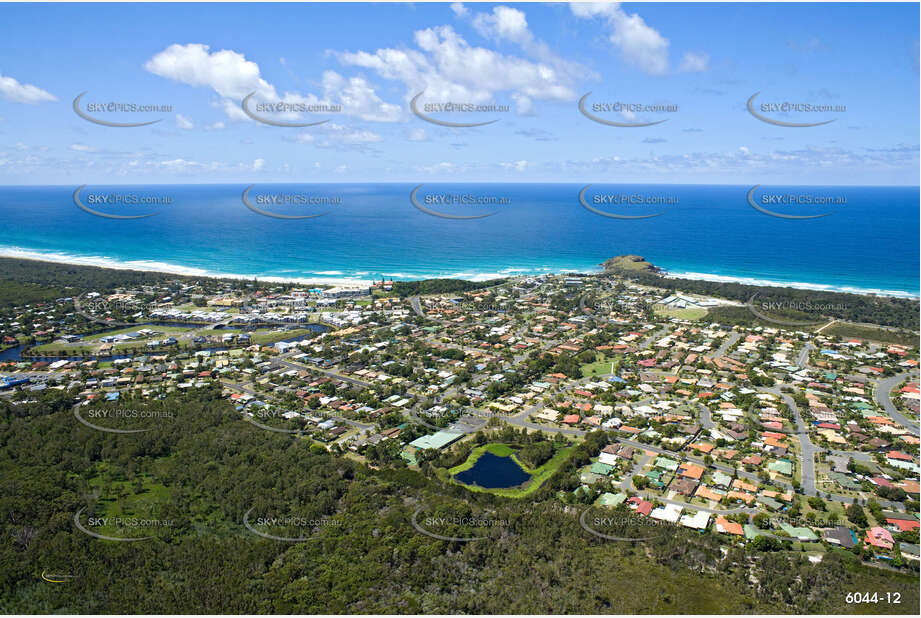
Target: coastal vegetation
{"points": [[882, 310], [202, 469], [441, 286]]}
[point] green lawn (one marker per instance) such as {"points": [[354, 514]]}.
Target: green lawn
{"points": [[90, 341], [691, 313], [122, 497], [601, 366]]}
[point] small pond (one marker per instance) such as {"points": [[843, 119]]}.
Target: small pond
{"points": [[493, 472]]}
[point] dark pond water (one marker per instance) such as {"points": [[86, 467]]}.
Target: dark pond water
{"points": [[493, 472]]}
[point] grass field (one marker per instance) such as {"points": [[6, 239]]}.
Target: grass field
{"points": [[601, 366], [140, 498], [691, 313], [538, 475], [264, 336], [871, 333]]}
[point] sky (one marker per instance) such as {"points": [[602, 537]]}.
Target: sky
{"points": [[364, 63]]}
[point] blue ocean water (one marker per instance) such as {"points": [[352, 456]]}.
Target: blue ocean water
{"points": [[869, 243]]}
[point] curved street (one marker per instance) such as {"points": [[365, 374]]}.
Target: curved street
{"points": [[884, 398]]}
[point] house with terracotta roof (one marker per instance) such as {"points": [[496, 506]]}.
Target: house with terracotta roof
{"points": [[738, 495], [903, 525], [708, 494], [691, 471], [724, 526], [703, 447], [880, 538], [740, 484], [643, 507]]}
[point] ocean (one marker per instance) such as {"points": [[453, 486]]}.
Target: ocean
{"points": [[867, 243]]}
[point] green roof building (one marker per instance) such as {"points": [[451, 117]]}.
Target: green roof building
{"points": [[437, 440], [601, 468], [781, 466], [800, 534], [609, 499], [666, 463]]}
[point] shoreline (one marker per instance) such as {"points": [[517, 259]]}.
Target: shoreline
{"points": [[345, 280]]}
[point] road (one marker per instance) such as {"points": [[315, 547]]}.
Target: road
{"points": [[884, 398], [802, 361], [730, 341], [264, 396], [808, 450], [627, 483], [282, 360], [705, 420], [656, 334], [417, 308]]}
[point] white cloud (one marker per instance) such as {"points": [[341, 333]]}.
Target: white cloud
{"points": [[184, 123], [417, 135], [444, 166], [693, 62], [358, 98], [82, 148], [258, 165], [332, 135], [227, 72], [233, 77], [639, 44], [12, 90], [448, 68], [518, 166], [459, 9], [503, 23], [510, 24]]}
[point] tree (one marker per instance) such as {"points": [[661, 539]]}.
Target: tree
{"points": [[767, 543], [762, 520], [856, 515], [816, 503]]}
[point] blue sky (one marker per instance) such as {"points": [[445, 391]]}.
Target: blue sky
{"points": [[538, 59]]}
